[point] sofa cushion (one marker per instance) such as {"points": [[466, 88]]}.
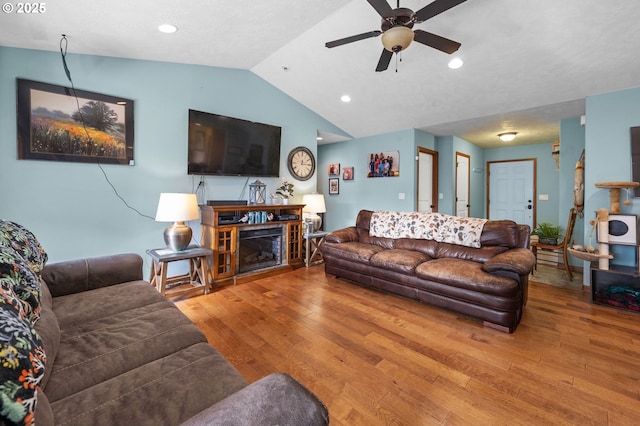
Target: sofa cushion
{"points": [[115, 341], [48, 329], [398, 260], [500, 233], [481, 254], [353, 251], [467, 275], [166, 391], [17, 276], [22, 360], [24, 242], [364, 237], [291, 405], [106, 302], [43, 413], [428, 247]]}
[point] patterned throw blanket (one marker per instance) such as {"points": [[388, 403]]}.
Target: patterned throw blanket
{"points": [[440, 227]]}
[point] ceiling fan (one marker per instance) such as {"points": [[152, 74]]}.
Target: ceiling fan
{"points": [[397, 33]]}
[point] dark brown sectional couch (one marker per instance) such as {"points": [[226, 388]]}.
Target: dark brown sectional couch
{"points": [[489, 283], [91, 343]]}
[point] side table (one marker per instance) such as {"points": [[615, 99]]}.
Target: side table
{"points": [[198, 275], [313, 241]]}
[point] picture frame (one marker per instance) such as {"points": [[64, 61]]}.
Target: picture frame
{"points": [[347, 173], [334, 186], [334, 169], [383, 164], [58, 123]]}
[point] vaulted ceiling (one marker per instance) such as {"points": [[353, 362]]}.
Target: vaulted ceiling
{"points": [[527, 64]]}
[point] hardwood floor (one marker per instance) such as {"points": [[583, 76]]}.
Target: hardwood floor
{"points": [[378, 359]]}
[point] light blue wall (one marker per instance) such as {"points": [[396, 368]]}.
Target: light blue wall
{"points": [[75, 213], [446, 174], [608, 156], [70, 206], [572, 140], [363, 192]]}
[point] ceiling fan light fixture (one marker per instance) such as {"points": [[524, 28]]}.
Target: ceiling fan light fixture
{"points": [[397, 38], [507, 136]]}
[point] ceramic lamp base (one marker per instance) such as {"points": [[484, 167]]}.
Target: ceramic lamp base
{"points": [[177, 236], [315, 220]]}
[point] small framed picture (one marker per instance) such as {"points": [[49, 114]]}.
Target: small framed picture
{"points": [[347, 173], [334, 186], [334, 169], [384, 164]]}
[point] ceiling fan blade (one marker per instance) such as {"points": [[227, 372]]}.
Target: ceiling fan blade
{"points": [[384, 61], [443, 44], [353, 38], [436, 8], [382, 7]]}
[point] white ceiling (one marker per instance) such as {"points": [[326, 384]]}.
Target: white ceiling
{"points": [[528, 64]]}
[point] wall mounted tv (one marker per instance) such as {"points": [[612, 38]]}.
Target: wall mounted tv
{"points": [[226, 146]]}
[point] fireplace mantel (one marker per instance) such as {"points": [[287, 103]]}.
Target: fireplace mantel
{"points": [[221, 226]]}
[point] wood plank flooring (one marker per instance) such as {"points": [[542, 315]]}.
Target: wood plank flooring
{"points": [[378, 359]]}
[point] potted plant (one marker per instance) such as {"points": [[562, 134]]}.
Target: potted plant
{"points": [[285, 191], [548, 233]]}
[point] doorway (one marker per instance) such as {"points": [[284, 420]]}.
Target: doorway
{"points": [[511, 191], [463, 164], [427, 184]]}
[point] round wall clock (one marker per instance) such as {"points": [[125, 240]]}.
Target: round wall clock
{"points": [[301, 163]]}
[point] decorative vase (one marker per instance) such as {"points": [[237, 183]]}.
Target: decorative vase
{"points": [[285, 201]]}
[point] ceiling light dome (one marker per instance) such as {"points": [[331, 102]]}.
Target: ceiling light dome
{"points": [[507, 136], [167, 28], [397, 38]]}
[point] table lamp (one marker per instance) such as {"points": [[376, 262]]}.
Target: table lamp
{"points": [[177, 208], [314, 204]]}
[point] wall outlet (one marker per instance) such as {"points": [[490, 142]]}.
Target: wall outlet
{"points": [[400, 195]]}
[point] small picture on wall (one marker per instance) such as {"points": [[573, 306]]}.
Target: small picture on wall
{"points": [[334, 186], [334, 169], [347, 173], [384, 164]]}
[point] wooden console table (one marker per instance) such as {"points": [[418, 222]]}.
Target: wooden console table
{"points": [[221, 229]]}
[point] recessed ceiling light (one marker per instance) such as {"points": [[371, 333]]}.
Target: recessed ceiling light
{"points": [[455, 63], [167, 28], [319, 138], [345, 98]]}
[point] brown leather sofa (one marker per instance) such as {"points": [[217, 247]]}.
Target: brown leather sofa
{"points": [[489, 283]]}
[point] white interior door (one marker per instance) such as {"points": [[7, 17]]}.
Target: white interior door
{"points": [[463, 162], [427, 161], [511, 191]]}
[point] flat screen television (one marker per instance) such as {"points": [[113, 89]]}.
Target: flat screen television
{"points": [[227, 146]]}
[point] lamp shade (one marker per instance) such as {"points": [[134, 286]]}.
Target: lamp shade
{"points": [[314, 203], [177, 207], [397, 38]]}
